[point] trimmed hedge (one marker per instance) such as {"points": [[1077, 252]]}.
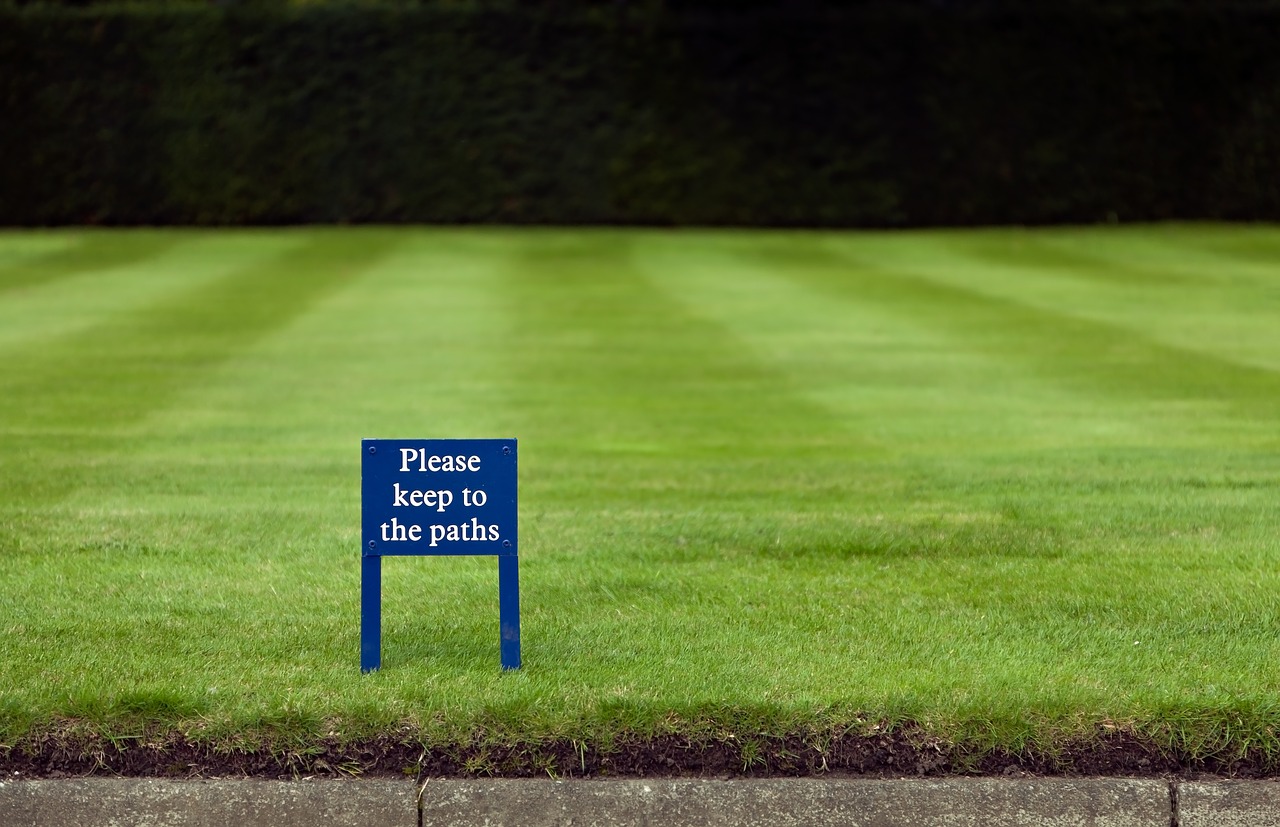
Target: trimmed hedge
{"points": [[907, 114]]}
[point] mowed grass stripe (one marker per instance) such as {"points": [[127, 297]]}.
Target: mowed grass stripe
{"points": [[1083, 264], [586, 318], [1076, 352], [408, 346], [88, 252], [1241, 243], [168, 264], [1209, 254], [72, 397], [1195, 300], [116, 372], [1186, 297], [20, 246], [662, 425], [409, 349], [155, 546], [611, 372], [1166, 422], [880, 373]]}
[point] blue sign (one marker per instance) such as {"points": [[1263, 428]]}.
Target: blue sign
{"points": [[438, 497]]}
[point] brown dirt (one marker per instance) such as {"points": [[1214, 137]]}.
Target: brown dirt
{"points": [[901, 752]]}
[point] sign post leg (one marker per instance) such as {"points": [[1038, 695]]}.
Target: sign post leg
{"points": [[370, 613], [509, 609]]}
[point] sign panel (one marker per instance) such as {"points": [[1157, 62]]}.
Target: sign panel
{"points": [[438, 497]]}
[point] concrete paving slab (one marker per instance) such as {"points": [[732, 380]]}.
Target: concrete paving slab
{"points": [[17, 803], [786, 802], [1229, 804], [132, 802]]}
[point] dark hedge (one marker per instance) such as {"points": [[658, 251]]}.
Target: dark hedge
{"points": [[875, 115]]}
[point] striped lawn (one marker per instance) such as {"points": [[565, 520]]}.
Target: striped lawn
{"points": [[1012, 485]]}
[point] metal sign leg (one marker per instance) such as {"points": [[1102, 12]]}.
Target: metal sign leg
{"points": [[509, 609], [370, 613]]}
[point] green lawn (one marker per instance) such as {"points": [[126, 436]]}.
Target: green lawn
{"points": [[1009, 485]]}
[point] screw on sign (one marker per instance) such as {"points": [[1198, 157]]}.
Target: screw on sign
{"points": [[438, 497]]}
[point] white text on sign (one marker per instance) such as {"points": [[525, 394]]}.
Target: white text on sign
{"points": [[435, 462], [438, 499]]}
